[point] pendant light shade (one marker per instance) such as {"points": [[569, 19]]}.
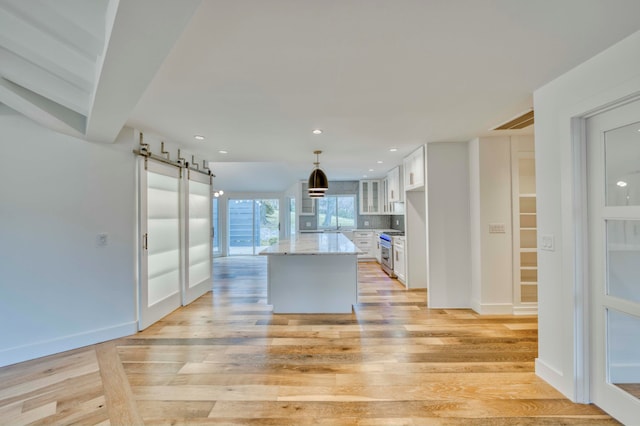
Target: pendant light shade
{"points": [[318, 182]]}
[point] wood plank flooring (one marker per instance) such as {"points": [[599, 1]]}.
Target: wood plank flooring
{"points": [[227, 360]]}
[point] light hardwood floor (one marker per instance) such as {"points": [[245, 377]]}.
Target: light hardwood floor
{"points": [[226, 359]]}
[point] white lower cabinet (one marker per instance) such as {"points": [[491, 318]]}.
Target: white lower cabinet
{"points": [[399, 263], [364, 241], [377, 251]]}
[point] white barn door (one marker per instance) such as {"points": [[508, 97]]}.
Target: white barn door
{"points": [[160, 278], [198, 236], [613, 152]]}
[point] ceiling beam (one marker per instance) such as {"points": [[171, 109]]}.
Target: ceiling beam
{"points": [[42, 110], [142, 35]]}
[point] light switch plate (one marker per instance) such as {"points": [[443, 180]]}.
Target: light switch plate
{"points": [[496, 228], [308, 224], [366, 223], [547, 243]]}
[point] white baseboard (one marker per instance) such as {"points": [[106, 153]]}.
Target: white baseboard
{"points": [[525, 310], [493, 308], [554, 377], [65, 343]]}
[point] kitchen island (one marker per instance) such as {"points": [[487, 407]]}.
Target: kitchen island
{"points": [[313, 273]]}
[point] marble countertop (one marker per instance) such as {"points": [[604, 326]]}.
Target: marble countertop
{"points": [[329, 243], [333, 231]]}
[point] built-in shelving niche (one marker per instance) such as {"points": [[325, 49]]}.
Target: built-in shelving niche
{"points": [[525, 237]]}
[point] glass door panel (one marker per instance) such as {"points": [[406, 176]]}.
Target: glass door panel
{"points": [[268, 224], [241, 227], [623, 351], [292, 217], [253, 225], [623, 259]]}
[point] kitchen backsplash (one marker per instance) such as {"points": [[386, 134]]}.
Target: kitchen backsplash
{"points": [[307, 222], [364, 222], [373, 222], [397, 222]]}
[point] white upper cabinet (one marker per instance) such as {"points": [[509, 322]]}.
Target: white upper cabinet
{"points": [[392, 191], [370, 196], [394, 186], [414, 169]]}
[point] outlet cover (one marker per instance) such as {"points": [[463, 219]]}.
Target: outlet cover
{"points": [[397, 222], [308, 224], [547, 243], [366, 223]]}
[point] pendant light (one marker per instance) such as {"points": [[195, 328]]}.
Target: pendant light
{"points": [[318, 182]]}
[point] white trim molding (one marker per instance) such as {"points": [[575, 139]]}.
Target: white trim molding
{"points": [[65, 343]]}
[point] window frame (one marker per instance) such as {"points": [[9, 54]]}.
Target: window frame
{"points": [[337, 222]]}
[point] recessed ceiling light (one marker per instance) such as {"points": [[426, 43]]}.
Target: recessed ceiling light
{"points": [[370, 170], [222, 151], [621, 183], [317, 132], [393, 149], [364, 176], [379, 161], [199, 137]]}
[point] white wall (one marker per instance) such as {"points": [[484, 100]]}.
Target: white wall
{"points": [[59, 289], [416, 239], [474, 223], [491, 253], [604, 79], [449, 239]]}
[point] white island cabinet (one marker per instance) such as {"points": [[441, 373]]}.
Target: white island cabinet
{"points": [[313, 273]]}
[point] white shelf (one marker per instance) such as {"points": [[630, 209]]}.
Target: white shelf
{"points": [[528, 283], [528, 250], [527, 195]]}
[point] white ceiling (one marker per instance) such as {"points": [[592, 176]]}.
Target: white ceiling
{"points": [[256, 77]]}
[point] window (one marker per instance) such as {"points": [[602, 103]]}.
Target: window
{"points": [[336, 211], [292, 216], [216, 228]]}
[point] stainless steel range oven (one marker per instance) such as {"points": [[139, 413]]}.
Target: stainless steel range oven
{"points": [[386, 251]]}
